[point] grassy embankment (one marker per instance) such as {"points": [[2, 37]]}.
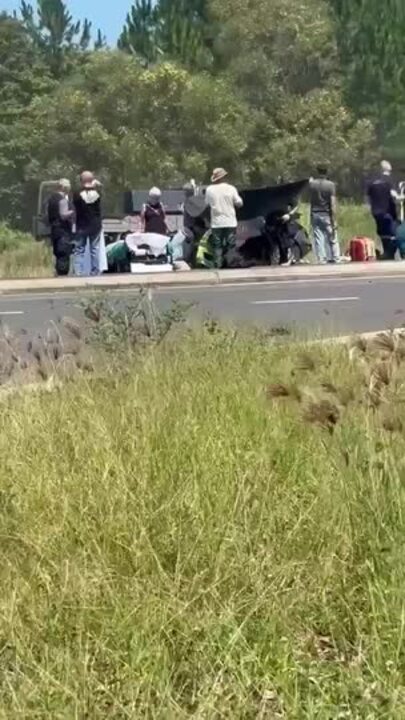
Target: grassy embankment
{"points": [[216, 533], [20, 256]]}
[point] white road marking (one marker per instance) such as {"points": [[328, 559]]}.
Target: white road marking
{"points": [[12, 312], [274, 283], [305, 300]]}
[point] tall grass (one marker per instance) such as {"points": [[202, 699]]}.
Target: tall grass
{"points": [[182, 540], [21, 256]]}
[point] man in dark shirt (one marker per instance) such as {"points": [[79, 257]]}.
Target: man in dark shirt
{"points": [[382, 197], [60, 218], [323, 217], [89, 223]]}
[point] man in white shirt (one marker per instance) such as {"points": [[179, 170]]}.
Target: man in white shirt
{"points": [[223, 199]]}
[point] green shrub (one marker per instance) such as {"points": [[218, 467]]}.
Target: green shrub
{"points": [[11, 239]]}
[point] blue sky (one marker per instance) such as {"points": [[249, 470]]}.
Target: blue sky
{"points": [[108, 15]]}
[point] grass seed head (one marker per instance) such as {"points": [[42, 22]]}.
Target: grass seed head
{"points": [[322, 412], [52, 336], [392, 423], [93, 313], [37, 348], [278, 390], [386, 341], [55, 351], [375, 395], [72, 327], [329, 388], [359, 344], [381, 373], [44, 368]]}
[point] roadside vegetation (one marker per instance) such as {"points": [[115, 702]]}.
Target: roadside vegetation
{"points": [[21, 256], [212, 528]]}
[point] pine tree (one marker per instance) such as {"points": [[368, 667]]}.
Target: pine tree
{"points": [[371, 41], [174, 29], [56, 33]]}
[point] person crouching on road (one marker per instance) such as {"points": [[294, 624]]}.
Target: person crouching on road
{"points": [[60, 218], [153, 214], [87, 203], [223, 199], [324, 217]]}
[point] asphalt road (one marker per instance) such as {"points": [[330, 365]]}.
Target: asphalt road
{"points": [[324, 306]]}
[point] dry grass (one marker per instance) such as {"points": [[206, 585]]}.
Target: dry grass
{"points": [[32, 261], [21, 256], [186, 539]]}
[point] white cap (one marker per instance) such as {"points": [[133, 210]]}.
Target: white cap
{"points": [[64, 184], [155, 192], [386, 167]]}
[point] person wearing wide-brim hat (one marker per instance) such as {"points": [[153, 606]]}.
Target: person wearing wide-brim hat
{"points": [[223, 199]]}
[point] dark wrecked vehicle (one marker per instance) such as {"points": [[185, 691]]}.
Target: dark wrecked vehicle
{"points": [[269, 230]]}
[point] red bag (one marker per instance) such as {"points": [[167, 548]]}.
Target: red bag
{"points": [[362, 249]]}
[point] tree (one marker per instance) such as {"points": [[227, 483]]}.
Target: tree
{"points": [[287, 70], [168, 29], [140, 33], [23, 76], [143, 126], [371, 41], [60, 38]]}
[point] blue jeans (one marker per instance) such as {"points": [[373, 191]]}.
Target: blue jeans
{"points": [[326, 243], [79, 253]]}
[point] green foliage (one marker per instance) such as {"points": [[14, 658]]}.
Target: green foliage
{"points": [[126, 326], [21, 256], [296, 97], [168, 29], [57, 35], [371, 40], [265, 89], [158, 125], [23, 76], [139, 35], [11, 239]]}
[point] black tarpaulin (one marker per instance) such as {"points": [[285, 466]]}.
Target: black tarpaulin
{"points": [[260, 202]]}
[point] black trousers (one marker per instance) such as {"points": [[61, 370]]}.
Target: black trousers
{"points": [[62, 250], [386, 229]]}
